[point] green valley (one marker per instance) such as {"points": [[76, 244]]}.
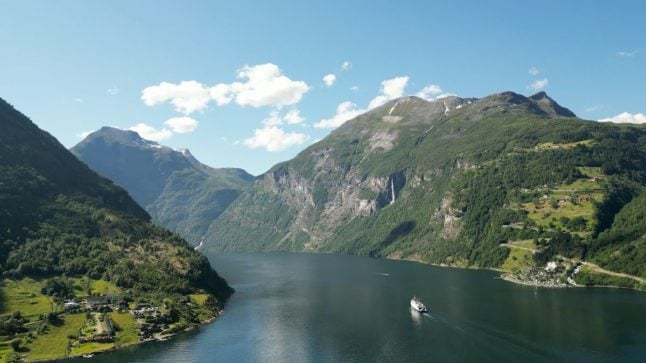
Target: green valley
{"points": [[77, 252]]}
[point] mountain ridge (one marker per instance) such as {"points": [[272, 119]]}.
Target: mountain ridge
{"points": [[179, 192], [66, 234], [47, 193], [399, 181]]}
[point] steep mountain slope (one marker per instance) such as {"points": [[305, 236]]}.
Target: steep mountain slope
{"points": [[57, 217], [179, 192], [444, 182]]}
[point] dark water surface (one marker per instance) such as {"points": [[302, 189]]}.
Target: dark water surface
{"points": [[293, 307]]}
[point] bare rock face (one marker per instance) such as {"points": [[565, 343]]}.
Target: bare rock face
{"points": [[383, 140], [449, 219]]}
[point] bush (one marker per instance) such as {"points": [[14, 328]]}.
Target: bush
{"points": [[15, 344]]}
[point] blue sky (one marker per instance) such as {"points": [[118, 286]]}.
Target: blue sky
{"points": [[242, 83]]}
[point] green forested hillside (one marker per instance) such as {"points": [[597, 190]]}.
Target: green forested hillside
{"points": [[450, 182], [179, 192], [61, 223]]}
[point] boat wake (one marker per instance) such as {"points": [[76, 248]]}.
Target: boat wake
{"points": [[428, 316], [443, 320], [382, 273], [487, 336]]}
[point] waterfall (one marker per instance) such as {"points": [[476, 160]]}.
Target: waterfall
{"points": [[392, 190]]}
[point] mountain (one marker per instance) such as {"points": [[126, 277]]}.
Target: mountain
{"points": [[453, 181], [66, 229], [179, 192]]}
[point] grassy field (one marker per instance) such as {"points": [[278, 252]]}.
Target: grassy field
{"points": [[129, 328], [199, 299], [566, 146], [566, 202], [46, 340], [24, 296], [519, 258], [591, 172], [103, 287], [54, 343], [6, 352], [84, 286], [526, 243], [87, 348], [580, 185]]}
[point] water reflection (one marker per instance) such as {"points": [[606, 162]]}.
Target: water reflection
{"points": [[416, 316], [332, 308]]}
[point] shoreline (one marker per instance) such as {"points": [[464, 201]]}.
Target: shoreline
{"points": [[507, 277], [128, 345], [503, 273]]}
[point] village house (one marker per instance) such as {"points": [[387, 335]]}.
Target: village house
{"points": [[551, 266], [71, 305]]}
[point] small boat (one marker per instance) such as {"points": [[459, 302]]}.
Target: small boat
{"points": [[417, 305], [88, 355]]}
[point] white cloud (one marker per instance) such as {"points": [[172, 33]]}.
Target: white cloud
{"points": [[260, 85], [78, 100], [443, 95], [428, 91], [273, 138], [594, 108], [329, 79], [84, 134], [181, 125], [150, 133], [113, 91], [221, 94], [274, 119], [390, 89], [293, 117], [533, 71], [346, 65], [627, 54], [187, 96], [354, 88], [538, 84], [626, 118], [344, 112], [264, 85]]}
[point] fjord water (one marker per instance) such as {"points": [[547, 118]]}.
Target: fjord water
{"points": [[295, 307]]}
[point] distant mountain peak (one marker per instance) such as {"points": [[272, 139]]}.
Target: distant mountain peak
{"points": [[539, 103], [506, 97], [551, 107], [179, 191], [185, 152], [126, 137], [539, 95]]}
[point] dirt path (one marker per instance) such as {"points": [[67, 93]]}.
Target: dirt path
{"points": [[602, 270], [518, 247]]}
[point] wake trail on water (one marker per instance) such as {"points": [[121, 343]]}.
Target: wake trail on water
{"points": [[489, 336], [428, 316], [444, 321]]}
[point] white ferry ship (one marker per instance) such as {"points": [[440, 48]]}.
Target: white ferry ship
{"points": [[417, 305]]}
